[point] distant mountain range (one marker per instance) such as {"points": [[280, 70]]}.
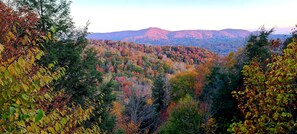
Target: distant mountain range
{"points": [[219, 41]]}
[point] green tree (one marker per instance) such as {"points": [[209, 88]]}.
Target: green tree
{"points": [[185, 118], [182, 84], [269, 98], [52, 13], [159, 94], [226, 77], [102, 110], [217, 94], [27, 102], [68, 48], [257, 47]]}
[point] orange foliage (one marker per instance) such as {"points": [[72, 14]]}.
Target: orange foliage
{"points": [[130, 127], [203, 70]]}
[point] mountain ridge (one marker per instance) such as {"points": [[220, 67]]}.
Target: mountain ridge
{"points": [[219, 41]]}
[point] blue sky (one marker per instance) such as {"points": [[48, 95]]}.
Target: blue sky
{"points": [[117, 15]]}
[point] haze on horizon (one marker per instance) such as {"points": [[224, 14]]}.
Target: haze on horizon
{"points": [[119, 15]]}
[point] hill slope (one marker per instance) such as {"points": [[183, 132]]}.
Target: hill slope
{"points": [[137, 65]]}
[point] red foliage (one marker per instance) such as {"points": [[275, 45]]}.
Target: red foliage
{"points": [[17, 30]]}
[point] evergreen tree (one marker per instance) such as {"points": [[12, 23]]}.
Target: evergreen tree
{"points": [[224, 79], [52, 13], [217, 93], [159, 94], [103, 110], [68, 49], [258, 47]]}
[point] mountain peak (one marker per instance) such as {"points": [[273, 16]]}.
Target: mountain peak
{"points": [[155, 33], [155, 28]]}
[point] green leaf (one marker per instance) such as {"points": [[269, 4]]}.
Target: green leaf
{"points": [[64, 121], [280, 79], [53, 29], [25, 97], [39, 115], [11, 109]]}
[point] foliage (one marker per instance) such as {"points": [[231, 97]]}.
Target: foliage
{"points": [[182, 84], [28, 104], [159, 94], [258, 47], [68, 48], [269, 98], [217, 95], [226, 76], [52, 13], [184, 118], [104, 108]]}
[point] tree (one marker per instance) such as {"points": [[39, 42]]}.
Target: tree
{"points": [[226, 76], [138, 114], [217, 96], [159, 94], [182, 84], [52, 13], [184, 118], [102, 111], [27, 102], [68, 48], [269, 98], [258, 47]]}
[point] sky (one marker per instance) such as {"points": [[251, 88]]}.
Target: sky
{"points": [[119, 15]]}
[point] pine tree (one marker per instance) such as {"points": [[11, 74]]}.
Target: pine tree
{"points": [[159, 94], [68, 48], [28, 103]]}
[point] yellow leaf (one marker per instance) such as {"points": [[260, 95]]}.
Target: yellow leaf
{"points": [[21, 123], [18, 102], [43, 132], [1, 48], [11, 70], [29, 129], [57, 127], [52, 130], [25, 87], [16, 115], [21, 61]]}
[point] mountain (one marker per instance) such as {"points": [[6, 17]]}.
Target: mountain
{"points": [[219, 41]]}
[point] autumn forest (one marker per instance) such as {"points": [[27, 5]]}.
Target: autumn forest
{"points": [[53, 79]]}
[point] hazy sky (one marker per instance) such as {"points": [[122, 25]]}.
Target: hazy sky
{"points": [[117, 15]]}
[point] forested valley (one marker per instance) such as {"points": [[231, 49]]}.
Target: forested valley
{"points": [[55, 80]]}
